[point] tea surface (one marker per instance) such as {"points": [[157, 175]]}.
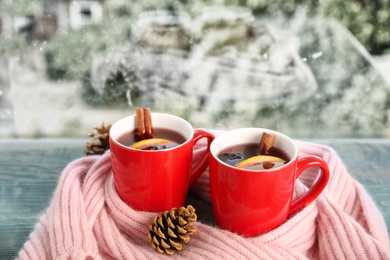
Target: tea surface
{"points": [[236, 154], [175, 139]]}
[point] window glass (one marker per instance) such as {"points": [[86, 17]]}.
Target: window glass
{"points": [[310, 69]]}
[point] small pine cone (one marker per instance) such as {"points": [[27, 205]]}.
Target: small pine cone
{"points": [[170, 228], [100, 142]]}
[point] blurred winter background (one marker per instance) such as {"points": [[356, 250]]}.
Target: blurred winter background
{"points": [[311, 69]]}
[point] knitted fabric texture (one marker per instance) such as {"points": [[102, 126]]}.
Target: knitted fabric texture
{"points": [[86, 219]]}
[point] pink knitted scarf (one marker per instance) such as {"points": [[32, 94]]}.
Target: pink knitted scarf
{"points": [[87, 220]]}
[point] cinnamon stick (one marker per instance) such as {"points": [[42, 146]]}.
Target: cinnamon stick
{"points": [[144, 123], [140, 123], [266, 143], [148, 123]]}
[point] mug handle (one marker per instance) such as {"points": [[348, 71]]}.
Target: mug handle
{"points": [[316, 188], [203, 163]]}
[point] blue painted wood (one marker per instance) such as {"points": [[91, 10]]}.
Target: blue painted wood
{"points": [[30, 168], [29, 171]]}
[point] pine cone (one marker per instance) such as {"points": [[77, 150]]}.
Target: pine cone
{"points": [[100, 141], [170, 228]]}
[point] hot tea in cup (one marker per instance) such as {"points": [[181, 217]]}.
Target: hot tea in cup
{"points": [[147, 137], [163, 139], [153, 167], [252, 187], [256, 156]]}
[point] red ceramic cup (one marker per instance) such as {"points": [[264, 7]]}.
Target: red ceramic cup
{"points": [[250, 202], [156, 181]]}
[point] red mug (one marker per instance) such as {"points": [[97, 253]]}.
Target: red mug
{"points": [[252, 202], [156, 181]]}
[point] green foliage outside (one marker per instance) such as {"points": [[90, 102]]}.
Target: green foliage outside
{"points": [[369, 21], [12, 45], [23, 7], [69, 56]]}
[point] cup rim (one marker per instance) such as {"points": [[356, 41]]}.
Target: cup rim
{"points": [[244, 133], [115, 132]]}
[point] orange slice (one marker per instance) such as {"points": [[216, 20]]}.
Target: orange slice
{"points": [[154, 144], [261, 162]]}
